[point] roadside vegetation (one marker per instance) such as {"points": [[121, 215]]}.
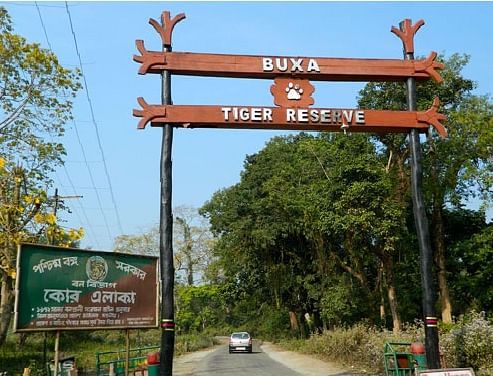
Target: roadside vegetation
{"points": [[466, 343], [83, 345], [314, 248]]}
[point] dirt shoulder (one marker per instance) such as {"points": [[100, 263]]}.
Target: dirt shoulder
{"points": [[304, 364], [186, 364]]}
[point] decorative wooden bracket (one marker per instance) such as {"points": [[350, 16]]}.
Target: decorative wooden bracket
{"points": [[147, 58], [148, 112], [165, 29], [434, 118], [406, 33], [430, 66], [280, 118], [251, 66]]}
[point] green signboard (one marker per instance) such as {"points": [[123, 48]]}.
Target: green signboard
{"points": [[67, 289]]}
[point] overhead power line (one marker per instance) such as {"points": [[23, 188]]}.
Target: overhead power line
{"points": [[88, 224], [93, 118]]}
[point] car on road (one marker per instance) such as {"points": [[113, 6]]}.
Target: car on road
{"points": [[240, 341]]}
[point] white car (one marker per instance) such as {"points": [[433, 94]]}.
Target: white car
{"points": [[240, 341]]}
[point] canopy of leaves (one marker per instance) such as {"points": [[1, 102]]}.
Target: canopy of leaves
{"points": [[36, 95]]}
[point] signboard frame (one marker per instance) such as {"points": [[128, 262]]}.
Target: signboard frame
{"points": [[446, 372], [77, 289]]}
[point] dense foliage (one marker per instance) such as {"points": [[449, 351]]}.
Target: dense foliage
{"points": [[319, 232]]}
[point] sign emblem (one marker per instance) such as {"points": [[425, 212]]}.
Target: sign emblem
{"points": [[96, 268], [290, 92]]}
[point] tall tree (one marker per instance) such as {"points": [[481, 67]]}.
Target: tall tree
{"points": [[192, 244], [473, 270], [307, 208], [146, 243], [362, 211], [35, 103], [455, 169]]}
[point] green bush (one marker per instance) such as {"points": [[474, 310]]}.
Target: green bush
{"points": [[193, 342], [271, 323], [467, 343]]}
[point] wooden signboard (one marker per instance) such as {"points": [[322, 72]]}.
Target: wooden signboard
{"points": [[292, 90], [268, 67], [75, 289], [294, 118]]}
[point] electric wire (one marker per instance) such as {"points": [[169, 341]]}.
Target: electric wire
{"points": [[43, 26], [88, 223], [96, 131]]}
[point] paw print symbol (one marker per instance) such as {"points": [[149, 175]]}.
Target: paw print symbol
{"points": [[294, 91]]}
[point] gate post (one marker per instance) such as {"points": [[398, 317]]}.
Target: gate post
{"points": [[406, 33], [165, 30]]}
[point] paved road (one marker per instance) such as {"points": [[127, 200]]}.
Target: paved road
{"points": [[266, 360], [221, 363]]}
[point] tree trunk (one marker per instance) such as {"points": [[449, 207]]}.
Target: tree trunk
{"points": [[6, 306], [293, 320], [439, 240], [382, 298], [388, 266], [318, 324], [303, 326]]}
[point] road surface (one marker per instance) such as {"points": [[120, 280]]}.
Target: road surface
{"points": [[265, 360]]}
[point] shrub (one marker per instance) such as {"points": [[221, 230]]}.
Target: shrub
{"points": [[469, 343], [360, 346]]}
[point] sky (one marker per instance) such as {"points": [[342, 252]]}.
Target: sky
{"points": [[115, 167]]}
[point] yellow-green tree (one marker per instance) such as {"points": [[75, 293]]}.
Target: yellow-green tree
{"points": [[36, 95]]}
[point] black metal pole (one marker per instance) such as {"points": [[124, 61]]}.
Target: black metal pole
{"points": [[422, 232], [166, 238]]}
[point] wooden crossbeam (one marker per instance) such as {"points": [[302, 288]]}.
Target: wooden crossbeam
{"points": [[268, 67], [285, 118]]}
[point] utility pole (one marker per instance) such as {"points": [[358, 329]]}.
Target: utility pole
{"points": [[58, 199]]}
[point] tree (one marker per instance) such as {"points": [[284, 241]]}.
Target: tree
{"points": [[192, 244], [26, 215], [198, 307], [363, 210], [470, 260], [35, 102], [455, 169], [145, 244], [307, 209]]}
